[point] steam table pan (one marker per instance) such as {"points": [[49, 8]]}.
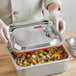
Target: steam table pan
{"points": [[43, 69], [72, 45], [36, 36]]}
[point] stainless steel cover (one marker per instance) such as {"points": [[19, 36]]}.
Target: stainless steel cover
{"points": [[25, 37]]}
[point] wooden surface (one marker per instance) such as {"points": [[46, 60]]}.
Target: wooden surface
{"points": [[7, 69]]}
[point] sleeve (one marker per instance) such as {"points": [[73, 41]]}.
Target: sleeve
{"points": [[47, 2]]}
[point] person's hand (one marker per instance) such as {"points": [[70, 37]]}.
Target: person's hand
{"points": [[4, 34], [57, 20]]}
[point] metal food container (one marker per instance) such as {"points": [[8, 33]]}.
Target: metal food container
{"points": [[38, 35], [43, 69], [72, 45]]}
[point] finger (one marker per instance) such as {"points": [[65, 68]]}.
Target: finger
{"points": [[2, 37], [5, 29], [61, 26], [56, 23]]}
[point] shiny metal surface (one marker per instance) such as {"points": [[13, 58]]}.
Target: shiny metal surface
{"points": [[44, 68], [72, 45], [26, 38], [72, 42]]}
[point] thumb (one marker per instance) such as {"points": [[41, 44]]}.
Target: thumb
{"points": [[62, 26], [56, 24], [5, 29]]}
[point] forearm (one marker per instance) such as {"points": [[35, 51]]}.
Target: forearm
{"points": [[53, 6]]}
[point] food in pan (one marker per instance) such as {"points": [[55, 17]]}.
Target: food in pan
{"points": [[40, 56]]}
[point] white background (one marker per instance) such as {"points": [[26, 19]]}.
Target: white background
{"points": [[68, 13]]}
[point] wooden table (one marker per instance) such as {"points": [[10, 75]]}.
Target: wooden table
{"points": [[7, 69]]}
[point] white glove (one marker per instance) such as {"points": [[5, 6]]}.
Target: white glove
{"points": [[57, 20], [4, 34]]}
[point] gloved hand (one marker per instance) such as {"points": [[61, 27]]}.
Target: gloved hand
{"points": [[4, 34], [57, 20]]}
